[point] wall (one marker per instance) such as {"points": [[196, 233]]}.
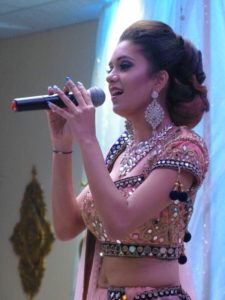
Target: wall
{"points": [[28, 65]]}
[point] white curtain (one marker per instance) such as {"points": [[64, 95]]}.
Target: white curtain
{"points": [[203, 22]]}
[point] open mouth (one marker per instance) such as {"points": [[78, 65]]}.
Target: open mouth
{"points": [[116, 93]]}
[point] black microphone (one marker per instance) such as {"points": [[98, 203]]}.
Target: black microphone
{"points": [[41, 102]]}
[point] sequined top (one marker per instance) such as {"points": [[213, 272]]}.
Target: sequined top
{"points": [[181, 148]]}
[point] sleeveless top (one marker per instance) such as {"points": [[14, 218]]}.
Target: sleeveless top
{"points": [[161, 236]]}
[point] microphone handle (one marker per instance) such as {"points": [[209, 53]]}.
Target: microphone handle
{"points": [[39, 102]]}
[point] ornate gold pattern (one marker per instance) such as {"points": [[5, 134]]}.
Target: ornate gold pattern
{"points": [[181, 149], [32, 237], [186, 151]]}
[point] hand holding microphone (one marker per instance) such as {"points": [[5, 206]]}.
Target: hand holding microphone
{"points": [[41, 102], [77, 121], [60, 124]]}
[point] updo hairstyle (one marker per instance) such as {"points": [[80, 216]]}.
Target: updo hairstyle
{"points": [[186, 96]]}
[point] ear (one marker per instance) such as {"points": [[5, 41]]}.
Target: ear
{"points": [[161, 80]]}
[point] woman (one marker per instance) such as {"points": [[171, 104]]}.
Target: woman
{"points": [[140, 199]]}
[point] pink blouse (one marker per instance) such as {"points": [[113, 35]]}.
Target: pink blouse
{"points": [[181, 148]]}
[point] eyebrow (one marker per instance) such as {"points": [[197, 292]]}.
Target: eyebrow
{"points": [[123, 57]]}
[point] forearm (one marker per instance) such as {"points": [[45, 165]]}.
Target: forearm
{"points": [[119, 215], [66, 213], [110, 204]]}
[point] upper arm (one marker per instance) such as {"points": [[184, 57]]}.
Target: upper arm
{"points": [[183, 159], [153, 195]]}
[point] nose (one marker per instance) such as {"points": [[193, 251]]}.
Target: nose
{"points": [[112, 77]]}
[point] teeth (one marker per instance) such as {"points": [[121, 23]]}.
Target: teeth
{"points": [[117, 93]]}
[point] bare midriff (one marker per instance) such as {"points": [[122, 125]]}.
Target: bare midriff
{"points": [[138, 272]]}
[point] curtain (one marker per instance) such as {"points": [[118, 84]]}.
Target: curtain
{"points": [[115, 17], [203, 22]]}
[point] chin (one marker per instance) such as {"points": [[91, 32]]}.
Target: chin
{"points": [[117, 109], [127, 112]]}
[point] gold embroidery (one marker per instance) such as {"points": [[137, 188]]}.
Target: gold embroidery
{"points": [[181, 149]]}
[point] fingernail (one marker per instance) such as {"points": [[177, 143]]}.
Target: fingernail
{"points": [[79, 83], [51, 106], [68, 78], [55, 87]]}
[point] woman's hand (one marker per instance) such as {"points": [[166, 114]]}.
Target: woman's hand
{"points": [[59, 129], [73, 123]]}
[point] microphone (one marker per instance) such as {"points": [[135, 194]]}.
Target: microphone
{"points": [[41, 102]]}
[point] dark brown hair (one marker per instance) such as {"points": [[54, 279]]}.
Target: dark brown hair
{"points": [[186, 96]]}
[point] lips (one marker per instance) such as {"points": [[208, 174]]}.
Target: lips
{"points": [[114, 91]]}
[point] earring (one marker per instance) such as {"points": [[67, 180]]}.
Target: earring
{"points": [[154, 112]]}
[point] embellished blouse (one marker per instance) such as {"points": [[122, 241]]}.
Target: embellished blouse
{"points": [[161, 236]]}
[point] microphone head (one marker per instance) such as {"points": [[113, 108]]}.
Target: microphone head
{"points": [[97, 95]]}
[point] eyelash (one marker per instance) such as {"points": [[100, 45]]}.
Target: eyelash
{"points": [[123, 66]]}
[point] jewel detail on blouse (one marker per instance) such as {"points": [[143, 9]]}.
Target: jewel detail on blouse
{"points": [[181, 149], [135, 152]]}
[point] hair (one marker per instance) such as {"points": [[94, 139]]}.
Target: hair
{"points": [[186, 96]]}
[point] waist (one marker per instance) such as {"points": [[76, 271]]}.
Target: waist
{"points": [[130, 272], [140, 250]]}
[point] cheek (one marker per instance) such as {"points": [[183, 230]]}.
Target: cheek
{"points": [[140, 91]]}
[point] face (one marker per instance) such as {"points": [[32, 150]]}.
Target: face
{"points": [[130, 83]]}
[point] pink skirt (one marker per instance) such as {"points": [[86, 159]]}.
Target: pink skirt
{"points": [[132, 293]]}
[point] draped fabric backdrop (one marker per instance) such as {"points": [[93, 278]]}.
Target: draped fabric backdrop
{"points": [[203, 22]]}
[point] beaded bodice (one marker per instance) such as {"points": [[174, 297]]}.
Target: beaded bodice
{"points": [[180, 148]]}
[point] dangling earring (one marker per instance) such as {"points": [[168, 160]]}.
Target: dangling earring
{"points": [[154, 112]]}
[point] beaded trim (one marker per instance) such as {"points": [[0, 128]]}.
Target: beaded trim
{"points": [[177, 163], [135, 152], [116, 149], [129, 181], [120, 294], [116, 293], [146, 250]]}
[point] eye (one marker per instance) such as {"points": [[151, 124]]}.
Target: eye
{"points": [[125, 65]]}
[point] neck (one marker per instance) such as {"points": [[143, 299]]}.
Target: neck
{"points": [[142, 131]]}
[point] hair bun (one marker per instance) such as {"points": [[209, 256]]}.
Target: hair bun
{"points": [[164, 50], [200, 75]]}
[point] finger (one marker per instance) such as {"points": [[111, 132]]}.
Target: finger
{"points": [[66, 89], [61, 112], [51, 90], [65, 99], [50, 115], [84, 93], [76, 92]]}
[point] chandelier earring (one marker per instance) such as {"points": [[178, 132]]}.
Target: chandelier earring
{"points": [[154, 113]]}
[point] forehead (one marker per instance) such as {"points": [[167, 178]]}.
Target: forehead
{"points": [[127, 49]]}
